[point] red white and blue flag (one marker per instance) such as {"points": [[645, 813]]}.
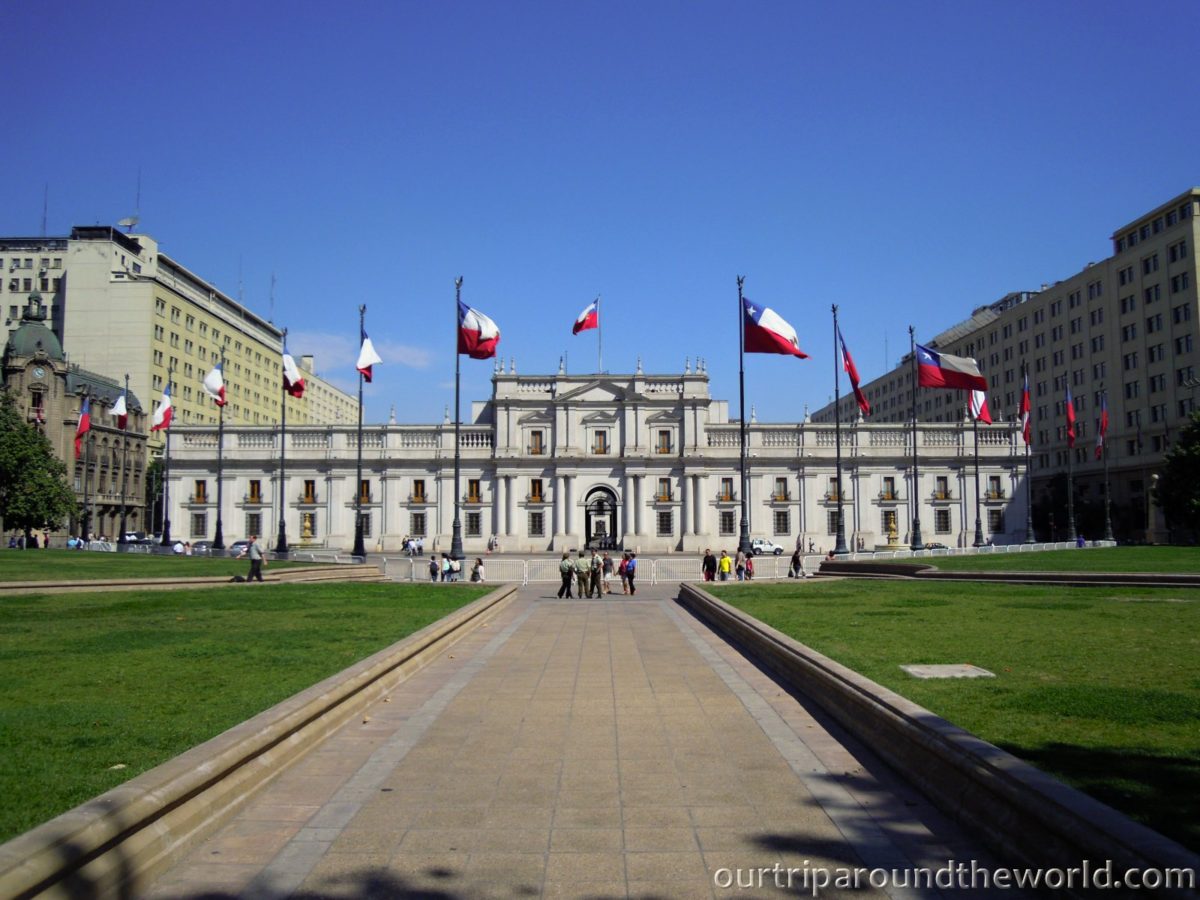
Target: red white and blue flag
{"points": [[293, 383], [163, 413], [765, 331], [367, 357], [1026, 407], [120, 412], [1070, 410], [977, 404], [589, 318], [477, 334], [852, 374], [214, 385], [85, 423], [942, 370], [1102, 432]]}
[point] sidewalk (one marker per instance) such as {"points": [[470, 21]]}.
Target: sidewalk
{"points": [[603, 748]]}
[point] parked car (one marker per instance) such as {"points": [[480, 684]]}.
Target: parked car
{"points": [[935, 545], [759, 546], [237, 547], [202, 547]]}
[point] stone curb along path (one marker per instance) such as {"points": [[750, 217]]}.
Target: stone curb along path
{"points": [[1023, 813], [115, 844]]}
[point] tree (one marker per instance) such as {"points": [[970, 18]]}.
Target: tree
{"points": [[34, 493], [1178, 490]]}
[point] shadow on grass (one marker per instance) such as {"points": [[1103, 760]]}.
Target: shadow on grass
{"points": [[1161, 792]]}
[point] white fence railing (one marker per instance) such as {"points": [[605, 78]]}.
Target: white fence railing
{"points": [[665, 569]]}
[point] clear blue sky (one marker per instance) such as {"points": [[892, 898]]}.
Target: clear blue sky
{"points": [[908, 161]]}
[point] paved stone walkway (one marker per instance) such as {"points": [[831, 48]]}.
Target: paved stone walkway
{"points": [[612, 748]]}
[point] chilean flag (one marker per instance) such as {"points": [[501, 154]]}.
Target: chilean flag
{"points": [[214, 384], [367, 357], [977, 404], [763, 331], [1070, 419], [120, 412], [85, 423], [852, 373], [1102, 434], [162, 415], [1026, 424], [945, 371], [477, 334], [293, 383], [589, 318]]}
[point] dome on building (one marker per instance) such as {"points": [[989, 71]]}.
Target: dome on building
{"points": [[32, 337]]}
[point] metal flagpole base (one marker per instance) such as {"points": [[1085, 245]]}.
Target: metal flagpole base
{"points": [[359, 548], [917, 543], [979, 541], [456, 545]]}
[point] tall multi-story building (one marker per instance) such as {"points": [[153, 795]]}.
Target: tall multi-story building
{"points": [[642, 462], [1121, 331], [118, 306]]}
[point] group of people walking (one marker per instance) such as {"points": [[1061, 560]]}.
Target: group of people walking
{"points": [[741, 565], [592, 574]]}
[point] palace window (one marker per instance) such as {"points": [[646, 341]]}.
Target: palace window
{"points": [[783, 524], [201, 491], [416, 524], [474, 494], [474, 524], [199, 525], [727, 525], [941, 521], [666, 524], [418, 490], [537, 524]]}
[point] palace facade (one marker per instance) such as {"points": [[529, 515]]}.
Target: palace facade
{"points": [[642, 462]]}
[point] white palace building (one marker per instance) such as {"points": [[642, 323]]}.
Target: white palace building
{"points": [[639, 462]]}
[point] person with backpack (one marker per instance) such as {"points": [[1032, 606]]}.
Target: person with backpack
{"points": [[623, 572], [434, 569], [631, 572]]}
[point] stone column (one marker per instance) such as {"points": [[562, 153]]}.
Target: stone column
{"points": [[559, 490], [510, 517], [498, 504], [637, 504], [627, 501], [569, 505], [698, 503], [685, 506]]}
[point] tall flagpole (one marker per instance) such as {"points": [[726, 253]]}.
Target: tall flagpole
{"points": [[124, 468], [166, 484], [975, 433], [916, 543], [1070, 473], [840, 545], [1108, 532], [360, 549], [744, 545], [1029, 536], [281, 544], [456, 547], [219, 534], [87, 465], [599, 338]]}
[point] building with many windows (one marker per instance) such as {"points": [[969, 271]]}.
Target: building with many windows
{"points": [[643, 462], [1121, 331], [118, 305]]}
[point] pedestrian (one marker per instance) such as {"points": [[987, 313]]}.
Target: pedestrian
{"points": [[606, 570], [477, 573], [749, 567], [434, 568], [724, 566], [795, 566], [623, 572], [187, 548], [810, 547], [583, 580], [178, 548], [597, 567], [45, 540], [567, 571], [12, 542], [445, 567], [254, 553], [631, 571], [708, 566], [739, 566]]}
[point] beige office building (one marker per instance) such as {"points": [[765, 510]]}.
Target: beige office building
{"points": [[1124, 326], [120, 306]]}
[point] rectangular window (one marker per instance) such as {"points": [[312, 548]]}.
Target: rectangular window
{"points": [[727, 524], [201, 491], [600, 442], [726, 490], [995, 521], [889, 488], [254, 495], [1155, 353], [308, 526], [942, 487], [199, 525], [831, 522], [1181, 314], [1150, 294], [1129, 332], [536, 447], [418, 491], [537, 524], [535, 490], [782, 521], [664, 442], [474, 524], [364, 491], [1131, 390], [474, 493], [1183, 344], [1129, 361], [781, 489], [310, 491], [253, 524], [666, 525], [664, 489], [416, 524], [1157, 383], [366, 524], [941, 521]]}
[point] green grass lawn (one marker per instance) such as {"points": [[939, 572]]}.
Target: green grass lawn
{"points": [[85, 565], [1099, 686], [1098, 559], [92, 681]]}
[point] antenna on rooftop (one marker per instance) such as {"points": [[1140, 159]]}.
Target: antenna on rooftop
{"points": [[130, 222]]}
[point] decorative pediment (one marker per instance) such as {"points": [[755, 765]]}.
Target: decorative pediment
{"points": [[601, 417], [538, 417], [663, 417], [598, 391]]}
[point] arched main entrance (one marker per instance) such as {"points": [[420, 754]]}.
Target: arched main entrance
{"points": [[600, 519]]}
